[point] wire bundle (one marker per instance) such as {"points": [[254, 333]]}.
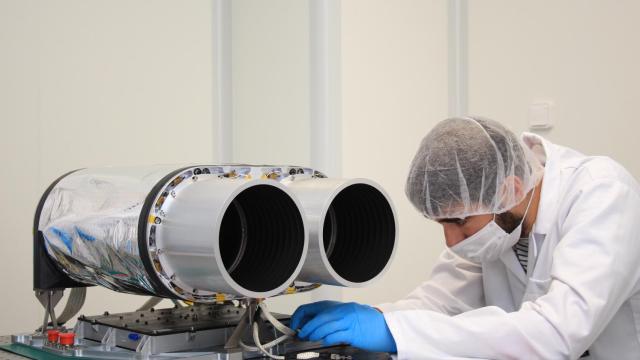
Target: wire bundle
{"points": [[265, 315]]}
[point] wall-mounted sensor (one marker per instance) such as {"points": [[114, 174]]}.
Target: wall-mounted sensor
{"points": [[540, 115]]}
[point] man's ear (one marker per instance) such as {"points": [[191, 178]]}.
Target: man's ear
{"points": [[512, 188]]}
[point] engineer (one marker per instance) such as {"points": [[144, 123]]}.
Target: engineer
{"points": [[542, 257]]}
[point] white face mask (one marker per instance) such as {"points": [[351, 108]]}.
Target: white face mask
{"points": [[490, 242]]}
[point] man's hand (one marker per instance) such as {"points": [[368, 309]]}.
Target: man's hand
{"points": [[350, 323], [306, 312]]}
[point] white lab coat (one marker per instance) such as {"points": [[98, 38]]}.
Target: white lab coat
{"points": [[581, 291]]}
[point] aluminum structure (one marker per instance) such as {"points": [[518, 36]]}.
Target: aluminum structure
{"points": [[210, 233]]}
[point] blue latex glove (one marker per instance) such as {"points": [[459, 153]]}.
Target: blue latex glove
{"points": [[358, 325], [307, 312]]}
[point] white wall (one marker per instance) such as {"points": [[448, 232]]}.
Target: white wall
{"points": [[270, 81], [89, 83], [583, 55], [394, 71]]}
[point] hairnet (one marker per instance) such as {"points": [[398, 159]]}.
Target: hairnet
{"points": [[461, 166]]}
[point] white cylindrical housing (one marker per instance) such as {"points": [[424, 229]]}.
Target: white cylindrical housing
{"points": [[232, 236], [353, 230], [201, 233]]}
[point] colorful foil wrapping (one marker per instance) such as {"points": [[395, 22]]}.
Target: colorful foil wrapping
{"points": [[90, 225]]}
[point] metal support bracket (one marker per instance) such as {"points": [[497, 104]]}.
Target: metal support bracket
{"points": [[49, 299]]}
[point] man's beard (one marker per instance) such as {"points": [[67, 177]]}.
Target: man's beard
{"points": [[508, 221]]}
